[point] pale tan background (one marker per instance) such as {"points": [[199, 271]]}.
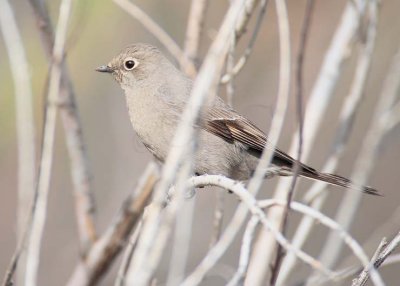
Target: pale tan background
{"points": [[99, 30]]}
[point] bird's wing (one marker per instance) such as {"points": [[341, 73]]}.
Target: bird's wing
{"points": [[224, 122]]}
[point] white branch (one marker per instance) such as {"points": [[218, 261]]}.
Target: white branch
{"points": [[251, 203], [39, 215], [350, 107], [263, 252]]}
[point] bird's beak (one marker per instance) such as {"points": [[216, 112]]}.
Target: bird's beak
{"points": [[105, 69]]}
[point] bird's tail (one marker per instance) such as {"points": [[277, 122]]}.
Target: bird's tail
{"points": [[338, 181]]}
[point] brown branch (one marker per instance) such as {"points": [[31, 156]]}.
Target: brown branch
{"points": [[81, 177], [299, 112], [104, 251]]}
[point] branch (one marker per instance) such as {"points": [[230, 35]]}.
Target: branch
{"points": [[381, 255], [40, 208], [351, 106], [127, 256], [368, 151], [250, 202], [230, 75], [81, 176], [24, 115], [299, 113], [265, 244], [103, 253], [245, 252], [194, 29], [316, 107]]}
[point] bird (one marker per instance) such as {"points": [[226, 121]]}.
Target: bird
{"points": [[229, 144]]}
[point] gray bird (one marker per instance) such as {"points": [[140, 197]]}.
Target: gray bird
{"points": [[228, 143]]}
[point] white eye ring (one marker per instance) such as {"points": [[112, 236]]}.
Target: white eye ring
{"points": [[130, 64]]}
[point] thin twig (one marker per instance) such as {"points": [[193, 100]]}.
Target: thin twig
{"points": [[226, 78], [244, 18], [364, 274], [245, 251], [194, 29], [299, 113], [81, 175], [180, 248], [347, 116], [316, 107], [103, 253], [127, 256], [368, 152], [24, 116], [218, 218], [351, 271], [263, 252], [39, 214], [382, 254], [230, 61], [133, 10]]}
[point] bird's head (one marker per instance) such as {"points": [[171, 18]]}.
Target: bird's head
{"points": [[137, 65]]}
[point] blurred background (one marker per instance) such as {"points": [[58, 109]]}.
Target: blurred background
{"points": [[98, 31]]}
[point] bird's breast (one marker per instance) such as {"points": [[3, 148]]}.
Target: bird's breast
{"points": [[153, 122]]}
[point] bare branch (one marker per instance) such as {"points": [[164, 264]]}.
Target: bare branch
{"points": [[368, 151], [244, 17], [263, 252], [81, 176], [39, 213], [127, 256], [346, 118], [24, 116], [382, 253], [180, 248], [218, 218], [299, 113], [194, 29], [250, 202], [109, 245], [245, 252], [235, 69]]}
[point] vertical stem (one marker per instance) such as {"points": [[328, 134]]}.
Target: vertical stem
{"points": [[24, 116], [39, 214], [81, 176], [266, 244]]}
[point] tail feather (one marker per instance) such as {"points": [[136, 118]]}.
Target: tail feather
{"points": [[339, 181]]}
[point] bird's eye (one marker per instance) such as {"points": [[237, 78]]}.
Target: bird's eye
{"points": [[129, 64]]}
